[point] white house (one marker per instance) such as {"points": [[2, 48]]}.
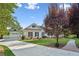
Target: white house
{"points": [[34, 31]]}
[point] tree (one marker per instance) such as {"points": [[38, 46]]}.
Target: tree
{"points": [[66, 30], [54, 22], [47, 29], [74, 19], [16, 25], [6, 18], [52, 12]]}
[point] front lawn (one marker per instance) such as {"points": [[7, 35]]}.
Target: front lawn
{"points": [[51, 41], [48, 42], [7, 51]]}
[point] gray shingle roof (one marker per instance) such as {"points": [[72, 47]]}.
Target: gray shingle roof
{"points": [[34, 26]]}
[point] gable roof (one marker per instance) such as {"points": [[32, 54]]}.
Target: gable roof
{"points": [[34, 26]]}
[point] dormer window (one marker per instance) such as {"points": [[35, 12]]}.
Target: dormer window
{"points": [[33, 25]]}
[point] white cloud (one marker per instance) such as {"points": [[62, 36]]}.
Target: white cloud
{"points": [[19, 4], [32, 6]]}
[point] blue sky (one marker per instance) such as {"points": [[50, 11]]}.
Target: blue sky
{"points": [[27, 14]]}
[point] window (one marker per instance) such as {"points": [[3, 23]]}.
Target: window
{"points": [[43, 33], [30, 34], [33, 26], [36, 34]]}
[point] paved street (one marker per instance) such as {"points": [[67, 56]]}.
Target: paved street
{"points": [[29, 49]]}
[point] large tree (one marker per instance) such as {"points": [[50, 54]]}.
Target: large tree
{"points": [[74, 19], [6, 17], [55, 21]]}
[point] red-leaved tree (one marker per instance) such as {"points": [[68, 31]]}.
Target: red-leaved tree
{"points": [[54, 22]]}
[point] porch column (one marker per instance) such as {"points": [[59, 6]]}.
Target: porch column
{"points": [[33, 34], [40, 34]]}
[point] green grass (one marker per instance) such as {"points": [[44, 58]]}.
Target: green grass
{"points": [[7, 51], [77, 42], [40, 42], [72, 36], [63, 40], [48, 41]]}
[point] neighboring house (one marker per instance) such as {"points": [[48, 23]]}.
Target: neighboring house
{"points": [[34, 31], [13, 34]]}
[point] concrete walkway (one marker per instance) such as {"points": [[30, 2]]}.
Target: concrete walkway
{"points": [[71, 46], [28, 49]]}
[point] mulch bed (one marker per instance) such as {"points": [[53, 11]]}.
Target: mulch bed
{"points": [[77, 46]]}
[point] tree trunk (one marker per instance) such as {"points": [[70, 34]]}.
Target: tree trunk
{"points": [[57, 43], [77, 35], [1, 37], [57, 39]]}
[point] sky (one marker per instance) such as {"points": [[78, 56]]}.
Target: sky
{"points": [[27, 14]]}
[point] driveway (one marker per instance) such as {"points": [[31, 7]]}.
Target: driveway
{"points": [[28, 49], [11, 38]]}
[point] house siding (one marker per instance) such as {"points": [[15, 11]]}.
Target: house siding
{"points": [[33, 30]]}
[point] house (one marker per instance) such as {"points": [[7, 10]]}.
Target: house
{"points": [[34, 31], [13, 33]]}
